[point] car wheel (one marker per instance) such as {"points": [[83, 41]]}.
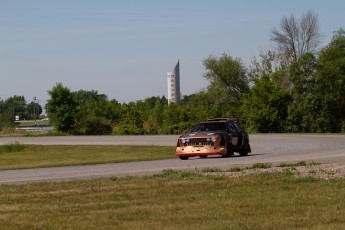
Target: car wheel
{"points": [[184, 158], [203, 156], [229, 150], [244, 150]]}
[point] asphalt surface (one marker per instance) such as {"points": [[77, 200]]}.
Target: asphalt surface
{"points": [[268, 148]]}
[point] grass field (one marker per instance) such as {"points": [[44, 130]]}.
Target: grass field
{"points": [[15, 155], [205, 199], [176, 200]]}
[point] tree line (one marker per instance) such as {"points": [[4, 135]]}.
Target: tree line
{"points": [[17, 106], [297, 86]]}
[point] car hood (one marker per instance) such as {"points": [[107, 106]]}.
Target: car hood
{"points": [[202, 134]]}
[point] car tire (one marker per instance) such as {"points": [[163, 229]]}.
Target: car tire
{"points": [[184, 158], [229, 150], [245, 149]]}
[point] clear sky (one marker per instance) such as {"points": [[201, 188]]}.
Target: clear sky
{"points": [[124, 48]]}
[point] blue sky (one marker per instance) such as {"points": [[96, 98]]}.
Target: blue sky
{"points": [[124, 48]]}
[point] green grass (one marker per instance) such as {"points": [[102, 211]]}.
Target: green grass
{"points": [[254, 166], [176, 200], [15, 156], [172, 200], [300, 163], [260, 166], [11, 148]]}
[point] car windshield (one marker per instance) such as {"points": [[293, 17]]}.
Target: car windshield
{"points": [[210, 127]]}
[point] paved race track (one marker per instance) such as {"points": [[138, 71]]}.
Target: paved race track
{"points": [[270, 148]]}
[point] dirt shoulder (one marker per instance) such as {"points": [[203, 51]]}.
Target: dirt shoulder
{"points": [[322, 171]]}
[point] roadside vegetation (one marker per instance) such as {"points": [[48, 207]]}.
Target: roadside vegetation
{"points": [[297, 86], [11, 148], [177, 200], [16, 155]]}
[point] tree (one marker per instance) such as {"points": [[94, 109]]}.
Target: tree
{"points": [[330, 82], [262, 66], [176, 119], [294, 38], [62, 108], [265, 107], [203, 105], [155, 117], [131, 120], [93, 116], [33, 110], [16, 106], [318, 89], [12, 107], [302, 75], [297, 36], [228, 80], [113, 110], [82, 112], [303, 110]]}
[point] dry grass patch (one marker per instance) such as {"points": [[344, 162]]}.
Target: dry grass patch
{"points": [[299, 170], [177, 200]]}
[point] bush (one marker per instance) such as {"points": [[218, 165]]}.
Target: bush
{"points": [[343, 126], [178, 128], [98, 126], [151, 131], [128, 129], [57, 133], [11, 148]]}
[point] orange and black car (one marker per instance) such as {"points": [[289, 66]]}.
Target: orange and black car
{"points": [[218, 136]]}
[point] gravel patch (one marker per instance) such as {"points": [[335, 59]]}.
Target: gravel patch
{"points": [[322, 171]]}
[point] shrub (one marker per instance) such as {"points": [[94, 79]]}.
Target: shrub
{"points": [[97, 126], [128, 129], [11, 148]]}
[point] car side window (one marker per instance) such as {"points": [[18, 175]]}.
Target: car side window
{"points": [[231, 127], [237, 127]]}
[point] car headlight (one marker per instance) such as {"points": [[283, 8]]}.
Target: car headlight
{"points": [[213, 139], [184, 140]]}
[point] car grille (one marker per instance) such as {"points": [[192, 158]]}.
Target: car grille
{"points": [[197, 142]]}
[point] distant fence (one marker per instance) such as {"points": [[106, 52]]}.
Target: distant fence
{"points": [[36, 129]]}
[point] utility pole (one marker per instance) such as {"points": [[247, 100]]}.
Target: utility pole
{"points": [[0, 112], [34, 109]]}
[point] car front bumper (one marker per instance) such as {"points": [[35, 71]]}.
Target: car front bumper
{"points": [[191, 151]]}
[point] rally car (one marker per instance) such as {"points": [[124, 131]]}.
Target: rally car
{"points": [[218, 136]]}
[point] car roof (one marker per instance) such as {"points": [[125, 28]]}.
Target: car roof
{"points": [[221, 119]]}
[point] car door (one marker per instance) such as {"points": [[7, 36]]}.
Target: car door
{"points": [[233, 133]]}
